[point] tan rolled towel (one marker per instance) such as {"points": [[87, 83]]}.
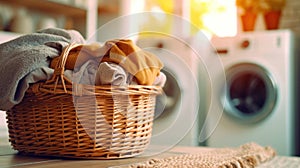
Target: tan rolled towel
{"points": [[81, 54], [248, 155]]}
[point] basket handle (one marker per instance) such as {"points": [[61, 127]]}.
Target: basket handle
{"points": [[58, 74]]}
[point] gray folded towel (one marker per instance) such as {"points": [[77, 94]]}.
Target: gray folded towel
{"points": [[25, 60]]}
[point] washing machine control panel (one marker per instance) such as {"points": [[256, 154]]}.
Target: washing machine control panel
{"points": [[245, 44], [229, 46]]}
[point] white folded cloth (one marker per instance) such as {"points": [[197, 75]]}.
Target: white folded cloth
{"points": [[107, 73], [93, 73], [111, 73], [160, 80], [86, 74]]}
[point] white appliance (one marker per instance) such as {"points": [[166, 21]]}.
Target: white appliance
{"points": [[179, 119], [4, 37], [260, 92]]}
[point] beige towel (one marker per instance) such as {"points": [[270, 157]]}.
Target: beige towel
{"points": [[248, 155], [141, 64]]}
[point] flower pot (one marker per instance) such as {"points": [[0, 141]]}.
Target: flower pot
{"points": [[272, 19], [248, 21]]}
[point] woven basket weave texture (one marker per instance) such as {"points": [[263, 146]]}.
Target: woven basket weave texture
{"points": [[58, 118]]}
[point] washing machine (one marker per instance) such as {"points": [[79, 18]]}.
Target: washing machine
{"points": [[259, 96], [178, 114]]}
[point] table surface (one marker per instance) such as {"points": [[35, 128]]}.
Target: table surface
{"points": [[10, 158]]}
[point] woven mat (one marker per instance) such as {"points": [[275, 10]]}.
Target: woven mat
{"points": [[246, 156]]}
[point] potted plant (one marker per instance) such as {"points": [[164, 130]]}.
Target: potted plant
{"points": [[272, 12], [249, 10]]}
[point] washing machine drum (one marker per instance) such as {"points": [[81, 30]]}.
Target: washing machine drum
{"points": [[250, 94]]}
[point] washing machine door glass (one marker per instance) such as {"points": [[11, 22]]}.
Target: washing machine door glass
{"points": [[250, 92], [167, 103]]}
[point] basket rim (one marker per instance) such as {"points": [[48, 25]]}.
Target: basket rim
{"points": [[82, 89]]}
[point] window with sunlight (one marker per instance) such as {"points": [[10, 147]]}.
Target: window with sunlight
{"points": [[216, 17]]}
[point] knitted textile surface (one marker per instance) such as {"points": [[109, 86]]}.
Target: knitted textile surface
{"points": [[246, 156]]}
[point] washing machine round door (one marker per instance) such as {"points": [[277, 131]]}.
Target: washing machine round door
{"points": [[250, 94]]}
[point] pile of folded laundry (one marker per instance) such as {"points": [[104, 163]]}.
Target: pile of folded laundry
{"points": [[33, 57]]}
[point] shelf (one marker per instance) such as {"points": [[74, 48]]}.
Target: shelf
{"points": [[108, 9], [47, 6]]}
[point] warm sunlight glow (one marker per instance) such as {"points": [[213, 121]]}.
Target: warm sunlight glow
{"points": [[218, 17]]}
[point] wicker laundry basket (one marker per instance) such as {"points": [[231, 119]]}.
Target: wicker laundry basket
{"points": [[58, 118]]}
